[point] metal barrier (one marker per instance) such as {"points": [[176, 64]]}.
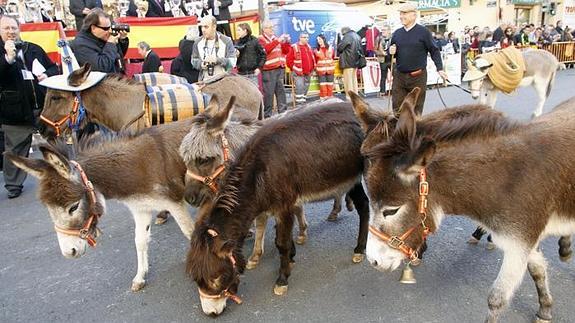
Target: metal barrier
{"points": [[563, 51]]}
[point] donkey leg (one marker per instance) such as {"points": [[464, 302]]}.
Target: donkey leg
{"points": [[510, 276], [540, 89], [348, 203], [180, 213], [286, 248], [538, 269], [143, 221], [332, 217], [261, 222], [302, 222], [361, 203], [565, 251]]}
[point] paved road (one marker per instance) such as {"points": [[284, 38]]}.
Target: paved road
{"points": [[38, 285]]}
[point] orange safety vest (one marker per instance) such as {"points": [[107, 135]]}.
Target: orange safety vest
{"points": [[275, 59], [325, 64]]}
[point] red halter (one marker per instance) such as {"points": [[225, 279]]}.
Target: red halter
{"points": [[210, 179], [70, 116], [84, 232], [398, 242]]}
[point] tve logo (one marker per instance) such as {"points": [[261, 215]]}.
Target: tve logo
{"points": [[305, 25]]}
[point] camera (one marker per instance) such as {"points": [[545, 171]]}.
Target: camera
{"points": [[18, 44], [211, 69], [116, 28]]}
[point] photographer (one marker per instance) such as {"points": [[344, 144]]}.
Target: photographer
{"points": [[96, 44], [213, 53], [251, 54], [22, 65]]}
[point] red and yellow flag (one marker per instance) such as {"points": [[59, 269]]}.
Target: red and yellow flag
{"points": [[45, 35]]}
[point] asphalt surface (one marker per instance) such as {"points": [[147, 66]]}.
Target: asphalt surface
{"points": [[38, 285]]}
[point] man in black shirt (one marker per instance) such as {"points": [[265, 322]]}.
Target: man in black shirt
{"points": [[152, 61], [410, 44]]}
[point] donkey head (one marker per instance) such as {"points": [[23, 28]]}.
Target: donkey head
{"points": [[215, 263], [476, 74], [391, 174], [57, 105], [64, 193], [205, 152]]}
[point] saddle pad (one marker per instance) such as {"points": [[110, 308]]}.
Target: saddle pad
{"points": [[173, 103], [153, 79], [507, 70]]}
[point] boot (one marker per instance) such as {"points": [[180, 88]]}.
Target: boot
{"points": [[329, 90], [321, 91]]}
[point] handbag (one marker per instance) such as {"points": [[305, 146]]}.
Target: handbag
{"points": [[361, 61]]}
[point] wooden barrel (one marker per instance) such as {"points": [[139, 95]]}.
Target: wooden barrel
{"points": [[173, 103], [153, 79]]}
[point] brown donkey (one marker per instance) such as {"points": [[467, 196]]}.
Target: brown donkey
{"points": [[307, 156], [515, 180], [143, 171]]}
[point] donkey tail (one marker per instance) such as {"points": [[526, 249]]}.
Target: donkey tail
{"points": [[550, 84]]}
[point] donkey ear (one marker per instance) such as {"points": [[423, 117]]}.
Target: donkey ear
{"points": [[35, 167], [213, 105], [220, 120], [407, 118], [418, 159], [362, 111], [79, 76], [58, 161]]}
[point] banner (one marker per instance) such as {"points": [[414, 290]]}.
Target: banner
{"points": [[569, 13], [371, 75], [451, 66], [163, 34], [45, 35]]}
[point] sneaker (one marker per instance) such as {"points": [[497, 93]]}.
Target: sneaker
{"points": [[14, 194]]}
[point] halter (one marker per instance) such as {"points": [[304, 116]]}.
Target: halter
{"points": [[225, 292], [84, 232], [210, 179], [74, 118], [398, 242]]}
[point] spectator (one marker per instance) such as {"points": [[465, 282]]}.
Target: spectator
{"points": [[348, 50], [152, 62], [21, 98], [536, 37], [2, 12], [325, 66], [301, 62], [559, 27], [412, 43], [498, 33], [507, 39], [96, 45], [452, 39], [182, 64], [384, 59], [487, 44], [522, 38], [568, 34], [251, 54], [274, 68], [159, 8], [220, 10], [214, 52], [81, 8]]}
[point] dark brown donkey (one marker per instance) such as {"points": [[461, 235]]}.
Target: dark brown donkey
{"points": [[143, 171], [514, 180], [306, 156]]}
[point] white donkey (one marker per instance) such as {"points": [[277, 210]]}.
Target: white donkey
{"points": [[540, 69]]}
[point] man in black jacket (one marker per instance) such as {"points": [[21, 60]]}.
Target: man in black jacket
{"points": [[81, 8], [22, 65], [251, 54], [182, 64], [348, 50], [96, 45], [152, 61], [159, 8]]}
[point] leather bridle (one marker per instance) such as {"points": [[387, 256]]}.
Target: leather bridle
{"points": [[225, 293], [85, 232], [398, 242], [210, 179], [74, 117]]}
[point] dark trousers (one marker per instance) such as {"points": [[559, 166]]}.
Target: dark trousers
{"points": [[1, 149], [225, 29], [403, 83], [273, 84], [384, 67], [18, 140]]}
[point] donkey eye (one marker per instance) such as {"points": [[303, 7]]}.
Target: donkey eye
{"points": [[390, 211], [56, 98], [73, 208], [203, 161]]}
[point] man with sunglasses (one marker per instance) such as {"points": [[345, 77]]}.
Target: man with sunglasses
{"points": [[95, 44]]}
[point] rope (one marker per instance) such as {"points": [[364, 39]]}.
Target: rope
{"points": [[439, 92]]}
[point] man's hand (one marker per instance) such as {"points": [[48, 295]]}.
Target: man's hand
{"points": [[85, 11], [392, 49], [443, 75], [42, 77], [257, 71], [123, 34], [113, 39], [10, 49]]}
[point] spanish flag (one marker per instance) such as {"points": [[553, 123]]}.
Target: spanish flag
{"points": [[45, 35], [163, 34]]}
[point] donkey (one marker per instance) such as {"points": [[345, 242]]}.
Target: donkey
{"points": [[117, 102], [143, 171], [307, 156], [518, 185], [540, 69]]}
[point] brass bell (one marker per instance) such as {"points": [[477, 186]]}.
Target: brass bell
{"points": [[407, 276]]}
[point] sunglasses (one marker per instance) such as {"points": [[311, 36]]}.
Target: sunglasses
{"points": [[103, 28]]}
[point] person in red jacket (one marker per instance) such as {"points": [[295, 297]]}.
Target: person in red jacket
{"points": [[301, 62], [325, 67]]}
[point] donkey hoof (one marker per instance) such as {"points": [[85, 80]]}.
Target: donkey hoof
{"points": [[566, 258], [280, 290], [162, 217], [252, 264], [138, 286], [490, 246], [357, 258], [300, 240], [472, 240], [540, 320], [332, 217]]}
